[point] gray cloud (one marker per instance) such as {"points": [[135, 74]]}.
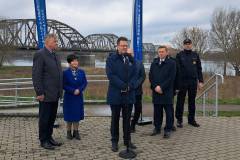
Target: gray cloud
{"points": [[162, 18]]}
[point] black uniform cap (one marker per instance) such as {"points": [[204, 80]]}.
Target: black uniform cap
{"points": [[187, 41]]}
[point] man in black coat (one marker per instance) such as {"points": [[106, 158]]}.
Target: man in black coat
{"points": [[161, 76], [140, 72], [190, 78], [47, 82], [121, 73]]}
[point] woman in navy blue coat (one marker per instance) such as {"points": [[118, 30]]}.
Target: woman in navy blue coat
{"points": [[74, 83]]}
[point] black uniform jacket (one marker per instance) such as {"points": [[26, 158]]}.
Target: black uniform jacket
{"points": [[189, 67]]}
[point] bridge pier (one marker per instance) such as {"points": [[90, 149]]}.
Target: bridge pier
{"points": [[86, 60]]}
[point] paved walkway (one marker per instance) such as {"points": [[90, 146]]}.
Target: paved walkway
{"points": [[104, 110], [216, 139]]}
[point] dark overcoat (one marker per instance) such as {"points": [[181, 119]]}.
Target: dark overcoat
{"points": [[163, 75], [141, 75], [121, 77]]}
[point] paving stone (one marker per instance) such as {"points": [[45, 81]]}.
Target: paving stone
{"points": [[217, 138]]}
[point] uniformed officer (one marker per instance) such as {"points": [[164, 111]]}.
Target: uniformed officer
{"points": [[161, 76], [190, 78], [121, 73]]}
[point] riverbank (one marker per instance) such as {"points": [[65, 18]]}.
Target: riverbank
{"points": [[229, 92]]}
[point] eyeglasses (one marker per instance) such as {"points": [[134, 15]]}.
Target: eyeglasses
{"points": [[123, 45], [161, 51]]}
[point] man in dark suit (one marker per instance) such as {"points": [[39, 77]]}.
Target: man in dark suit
{"points": [[138, 92], [120, 70], [190, 78], [47, 82], [161, 76]]}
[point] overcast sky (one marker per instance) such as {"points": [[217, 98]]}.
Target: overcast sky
{"points": [[161, 18]]}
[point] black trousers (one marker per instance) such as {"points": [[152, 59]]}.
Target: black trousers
{"points": [[126, 115], [172, 116], [158, 116], [137, 109], [47, 116], [191, 89]]}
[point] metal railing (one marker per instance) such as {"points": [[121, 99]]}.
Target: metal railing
{"points": [[211, 85], [10, 91]]}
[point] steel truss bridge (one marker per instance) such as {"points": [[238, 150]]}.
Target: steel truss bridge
{"points": [[22, 34]]}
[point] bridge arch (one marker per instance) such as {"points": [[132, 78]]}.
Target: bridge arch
{"points": [[106, 42], [22, 33]]}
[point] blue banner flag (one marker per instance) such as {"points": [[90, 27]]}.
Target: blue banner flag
{"points": [[41, 20], [137, 29]]}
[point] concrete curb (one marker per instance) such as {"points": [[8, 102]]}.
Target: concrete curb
{"points": [[36, 115]]}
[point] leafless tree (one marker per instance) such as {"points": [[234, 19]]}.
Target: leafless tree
{"points": [[198, 36], [225, 35]]}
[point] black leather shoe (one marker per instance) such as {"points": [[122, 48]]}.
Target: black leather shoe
{"points": [[76, 135], [114, 146], [174, 128], [55, 143], [166, 135], [194, 124], [179, 125], [132, 146], [156, 132], [47, 145], [133, 130], [69, 135]]}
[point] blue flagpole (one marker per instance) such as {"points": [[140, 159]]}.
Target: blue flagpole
{"points": [[136, 42], [41, 21], [137, 29]]}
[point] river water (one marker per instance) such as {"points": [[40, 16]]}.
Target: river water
{"points": [[208, 66]]}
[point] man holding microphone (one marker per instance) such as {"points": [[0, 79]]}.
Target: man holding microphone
{"points": [[120, 70]]}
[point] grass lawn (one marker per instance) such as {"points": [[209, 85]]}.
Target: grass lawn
{"points": [[220, 113]]}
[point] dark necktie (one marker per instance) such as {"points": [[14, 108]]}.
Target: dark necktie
{"points": [[125, 60], [54, 56]]}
